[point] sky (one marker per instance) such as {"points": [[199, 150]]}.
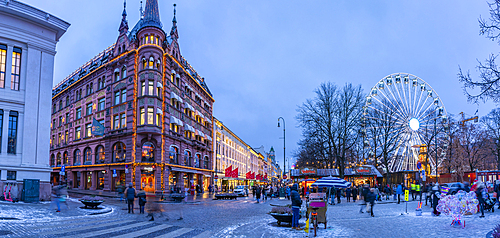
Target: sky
{"points": [[262, 59]]}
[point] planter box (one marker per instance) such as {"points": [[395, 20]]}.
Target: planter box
{"points": [[91, 204]]}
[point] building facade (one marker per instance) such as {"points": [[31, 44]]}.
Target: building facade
{"points": [[138, 112], [232, 151], [28, 38]]}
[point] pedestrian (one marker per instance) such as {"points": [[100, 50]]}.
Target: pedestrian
{"points": [[413, 188], [429, 193], [333, 191], [348, 192], [371, 199], [56, 201], [418, 192], [387, 191], [257, 193], [467, 186], [141, 195], [366, 190], [120, 189], [399, 191], [436, 192], [482, 195], [288, 191], [264, 196], [296, 204], [377, 193], [354, 193], [497, 190], [131, 194], [339, 193]]}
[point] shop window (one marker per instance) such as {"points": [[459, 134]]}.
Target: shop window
{"points": [[119, 152], [148, 152], [77, 158], [174, 155], [11, 175], [100, 156], [87, 155], [100, 179]]}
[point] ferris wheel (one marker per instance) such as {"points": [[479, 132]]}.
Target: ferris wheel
{"points": [[403, 113]]}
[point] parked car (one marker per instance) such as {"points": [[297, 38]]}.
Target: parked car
{"points": [[241, 190], [454, 187]]}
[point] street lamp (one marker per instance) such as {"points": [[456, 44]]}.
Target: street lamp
{"points": [[284, 157]]}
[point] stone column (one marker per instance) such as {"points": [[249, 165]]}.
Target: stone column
{"points": [[83, 180]]}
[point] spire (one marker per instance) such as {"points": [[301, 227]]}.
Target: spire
{"points": [[152, 14], [173, 32], [141, 14], [124, 24]]}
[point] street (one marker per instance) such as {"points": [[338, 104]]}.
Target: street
{"points": [[204, 217]]}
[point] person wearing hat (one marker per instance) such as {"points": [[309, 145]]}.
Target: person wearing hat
{"points": [[130, 194], [296, 204]]}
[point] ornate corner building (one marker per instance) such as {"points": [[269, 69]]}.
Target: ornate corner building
{"points": [[137, 112]]}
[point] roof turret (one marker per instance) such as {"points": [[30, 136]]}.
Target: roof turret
{"points": [[151, 14]]}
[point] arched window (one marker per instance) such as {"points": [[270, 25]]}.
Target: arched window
{"points": [[58, 160], [117, 75], [151, 62], [187, 158], [205, 162], [99, 153], [87, 155], [119, 152], [52, 160], [124, 72], [87, 92], [174, 154], [197, 159], [77, 158], [158, 64], [144, 63], [148, 152], [65, 158]]}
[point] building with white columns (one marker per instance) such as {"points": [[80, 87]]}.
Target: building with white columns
{"points": [[28, 38]]}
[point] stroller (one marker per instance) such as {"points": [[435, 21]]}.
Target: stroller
{"points": [[489, 204]]}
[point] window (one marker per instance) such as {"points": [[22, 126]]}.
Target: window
{"points": [[148, 154], [11, 175], [67, 101], [117, 97], [174, 155], [124, 72], [54, 108], [89, 109], [99, 155], [59, 137], [66, 137], [65, 158], [100, 104], [151, 87], [187, 158], [123, 120], [116, 121], [52, 160], [91, 88], [151, 62], [142, 116], [143, 88], [144, 63], [3, 62], [120, 96], [88, 130], [87, 156], [78, 133], [16, 69], [78, 113], [197, 159], [174, 127], [158, 118], [158, 93], [77, 158], [67, 118], [58, 160], [205, 162], [152, 39], [98, 84], [151, 115], [1, 128], [119, 152], [117, 75], [124, 95], [60, 105], [12, 140]]}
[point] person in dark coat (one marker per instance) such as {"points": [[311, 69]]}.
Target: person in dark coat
{"points": [[348, 194], [371, 197], [387, 191], [339, 193], [296, 204], [130, 194], [141, 195], [366, 190], [257, 193], [481, 194], [264, 197], [354, 193], [435, 198]]}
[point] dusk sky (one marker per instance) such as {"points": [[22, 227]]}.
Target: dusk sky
{"points": [[261, 59]]}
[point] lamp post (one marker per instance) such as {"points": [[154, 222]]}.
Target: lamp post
{"points": [[436, 148], [284, 155]]}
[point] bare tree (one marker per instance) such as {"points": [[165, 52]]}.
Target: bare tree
{"points": [[492, 124], [332, 120], [489, 73], [471, 146]]}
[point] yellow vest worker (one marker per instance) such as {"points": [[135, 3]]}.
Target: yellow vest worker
{"points": [[412, 187], [417, 187]]}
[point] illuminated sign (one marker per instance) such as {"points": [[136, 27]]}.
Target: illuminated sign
{"points": [[363, 170], [308, 171]]}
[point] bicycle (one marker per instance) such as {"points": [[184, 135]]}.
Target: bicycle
{"points": [[314, 219]]}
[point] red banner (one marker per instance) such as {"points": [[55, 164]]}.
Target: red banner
{"points": [[235, 173], [253, 175], [228, 171], [265, 176]]}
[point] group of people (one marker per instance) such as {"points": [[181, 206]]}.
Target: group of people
{"points": [[130, 194], [269, 191]]}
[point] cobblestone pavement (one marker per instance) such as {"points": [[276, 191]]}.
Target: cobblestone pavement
{"points": [[243, 217]]}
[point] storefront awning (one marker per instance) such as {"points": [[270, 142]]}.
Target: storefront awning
{"points": [[187, 170]]}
